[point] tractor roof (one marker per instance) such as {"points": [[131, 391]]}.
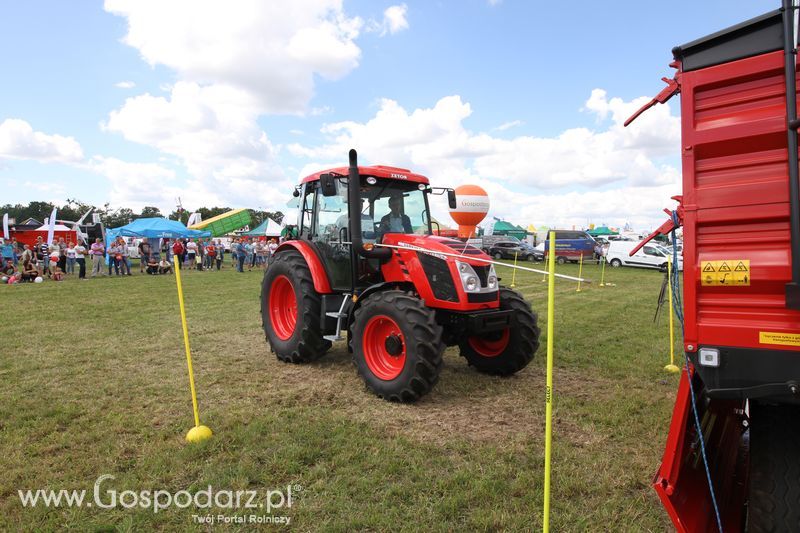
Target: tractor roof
{"points": [[379, 171]]}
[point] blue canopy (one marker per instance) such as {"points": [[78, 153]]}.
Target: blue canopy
{"points": [[157, 228]]}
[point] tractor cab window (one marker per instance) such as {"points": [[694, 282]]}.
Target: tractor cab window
{"points": [[396, 207]]}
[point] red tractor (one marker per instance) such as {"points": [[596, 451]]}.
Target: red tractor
{"points": [[365, 260], [732, 458]]}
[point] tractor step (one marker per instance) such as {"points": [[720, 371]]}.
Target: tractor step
{"points": [[333, 338], [335, 314]]}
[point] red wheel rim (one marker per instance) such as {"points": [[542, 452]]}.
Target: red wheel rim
{"points": [[490, 348], [282, 307], [380, 331]]}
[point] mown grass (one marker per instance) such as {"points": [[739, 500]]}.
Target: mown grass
{"points": [[93, 381]]}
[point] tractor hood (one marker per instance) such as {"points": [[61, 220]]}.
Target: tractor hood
{"points": [[442, 280]]}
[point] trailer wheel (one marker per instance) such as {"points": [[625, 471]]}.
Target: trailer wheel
{"points": [[397, 346], [774, 503], [616, 263], [505, 352], [561, 260], [290, 310]]}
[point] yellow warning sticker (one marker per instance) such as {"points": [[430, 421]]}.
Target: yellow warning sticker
{"points": [[725, 273], [785, 339]]}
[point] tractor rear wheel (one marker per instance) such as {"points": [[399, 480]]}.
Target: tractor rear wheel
{"points": [[774, 503], [505, 352], [291, 309], [397, 346]]}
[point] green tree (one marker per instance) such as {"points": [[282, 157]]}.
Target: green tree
{"points": [[150, 212]]}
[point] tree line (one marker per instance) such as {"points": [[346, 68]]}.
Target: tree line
{"points": [[112, 218]]}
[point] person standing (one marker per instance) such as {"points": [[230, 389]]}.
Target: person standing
{"points": [[113, 257], [16, 249], [220, 249], [211, 252], [62, 257], [42, 251], [241, 254], [124, 262], [177, 251], [80, 258], [234, 252], [70, 255], [97, 251], [145, 251], [191, 252]]}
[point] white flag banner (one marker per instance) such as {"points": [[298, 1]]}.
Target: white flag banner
{"points": [[51, 228], [5, 227]]}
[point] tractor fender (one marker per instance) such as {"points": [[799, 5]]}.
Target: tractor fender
{"points": [[378, 287], [321, 282]]}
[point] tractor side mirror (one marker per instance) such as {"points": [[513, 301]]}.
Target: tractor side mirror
{"points": [[327, 183], [451, 198]]}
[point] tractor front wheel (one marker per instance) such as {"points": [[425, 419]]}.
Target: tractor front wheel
{"points": [[505, 352], [290, 310], [397, 346]]}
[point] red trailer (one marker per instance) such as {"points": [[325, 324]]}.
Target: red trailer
{"points": [[740, 213]]}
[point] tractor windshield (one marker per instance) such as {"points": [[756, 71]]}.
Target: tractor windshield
{"points": [[395, 206]]}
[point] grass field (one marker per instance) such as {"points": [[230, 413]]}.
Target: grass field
{"points": [[93, 381]]}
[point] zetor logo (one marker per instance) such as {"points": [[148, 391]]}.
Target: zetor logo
{"points": [[398, 176]]}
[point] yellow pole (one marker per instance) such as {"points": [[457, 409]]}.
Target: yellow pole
{"points": [[603, 271], [580, 272], [198, 432], [671, 367], [548, 431], [514, 274]]}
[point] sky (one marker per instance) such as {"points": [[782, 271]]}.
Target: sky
{"points": [[140, 102]]}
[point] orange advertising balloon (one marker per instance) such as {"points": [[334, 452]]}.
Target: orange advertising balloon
{"points": [[472, 204]]}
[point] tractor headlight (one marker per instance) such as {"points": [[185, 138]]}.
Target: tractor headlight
{"points": [[469, 279], [491, 280]]}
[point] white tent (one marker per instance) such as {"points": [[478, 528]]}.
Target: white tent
{"points": [[273, 229], [57, 227]]}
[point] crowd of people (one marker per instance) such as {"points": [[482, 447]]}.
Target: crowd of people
{"points": [[60, 258]]}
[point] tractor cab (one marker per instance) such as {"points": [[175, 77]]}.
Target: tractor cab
{"points": [[365, 261]]}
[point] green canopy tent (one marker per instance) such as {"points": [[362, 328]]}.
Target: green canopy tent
{"points": [[602, 231], [501, 227]]}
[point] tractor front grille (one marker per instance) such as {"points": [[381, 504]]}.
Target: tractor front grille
{"points": [[483, 274], [439, 277]]}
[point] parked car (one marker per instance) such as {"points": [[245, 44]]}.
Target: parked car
{"points": [[571, 245], [649, 256], [510, 249]]}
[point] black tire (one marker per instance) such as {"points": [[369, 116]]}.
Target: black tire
{"points": [[663, 267], [421, 344], [616, 263], [531, 258], [520, 347], [306, 342], [498, 255], [774, 502], [561, 260]]}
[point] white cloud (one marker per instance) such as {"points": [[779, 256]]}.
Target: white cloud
{"points": [[270, 50], [394, 19], [576, 167], [125, 85], [18, 140]]}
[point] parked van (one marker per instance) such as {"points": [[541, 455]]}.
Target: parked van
{"points": [[649, 256], [571, 245]]}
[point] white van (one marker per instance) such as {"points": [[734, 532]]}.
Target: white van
{"points": [[649, 256]]}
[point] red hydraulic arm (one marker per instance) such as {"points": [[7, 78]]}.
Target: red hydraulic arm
{"points": [[667, 226], [673, 87]]}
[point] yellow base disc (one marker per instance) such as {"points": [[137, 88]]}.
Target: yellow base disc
{"points": [[199, 434], [672, 369]]}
